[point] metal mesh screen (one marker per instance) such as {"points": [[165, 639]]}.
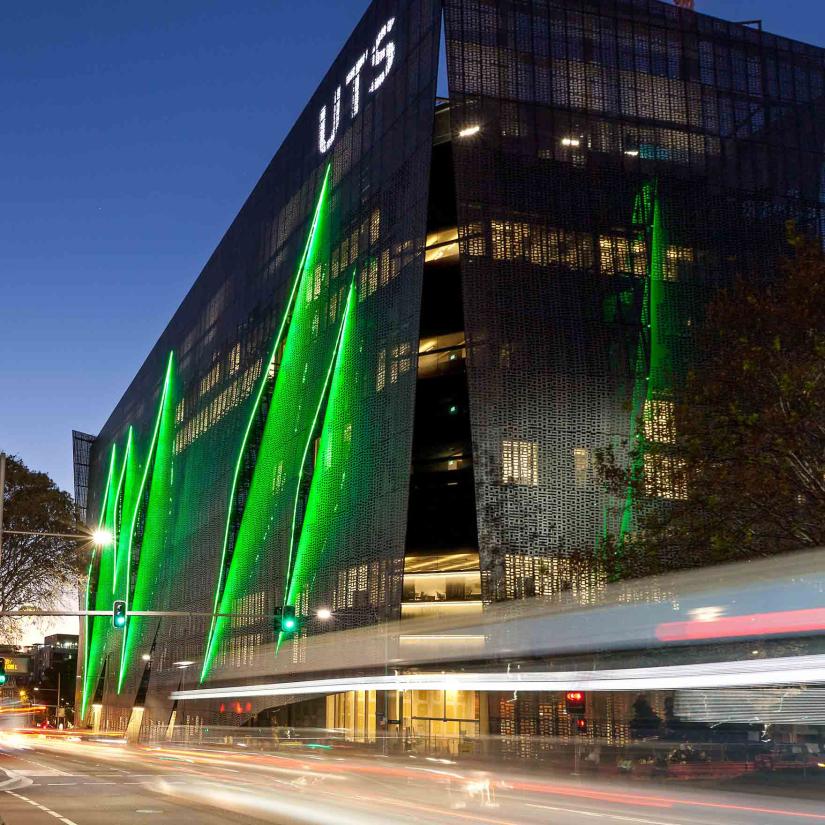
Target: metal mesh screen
{"points": [[615, 163], [272, 467], [81, 457]]}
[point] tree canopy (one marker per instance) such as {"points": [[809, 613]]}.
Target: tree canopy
{"points": [[746, 452], [36, 570]]}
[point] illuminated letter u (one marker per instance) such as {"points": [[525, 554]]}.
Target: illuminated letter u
{"points": [[324, 142]]}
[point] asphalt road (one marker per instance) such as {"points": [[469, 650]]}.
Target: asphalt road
{"points": [[89, 783]]}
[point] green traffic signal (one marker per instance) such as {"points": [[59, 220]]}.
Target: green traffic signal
{"points": [[119, 615], [285, 621], [3, 676]]}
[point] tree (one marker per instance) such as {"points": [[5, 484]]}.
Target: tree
{"points": [[35, 570], [747, 453]]}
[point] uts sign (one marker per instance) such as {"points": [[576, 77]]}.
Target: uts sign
{"points": [[381, 58]]}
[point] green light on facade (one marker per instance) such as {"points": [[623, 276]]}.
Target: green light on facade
{"points": [[311, 436], [332, 462], [96, 551], [109, 560], [288, 392], [152, 502], [651, 364]]}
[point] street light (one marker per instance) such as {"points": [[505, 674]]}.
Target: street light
{"points": [[102, 538], [324, 614]]}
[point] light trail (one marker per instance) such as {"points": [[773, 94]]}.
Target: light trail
{"points": [[750, 673]]}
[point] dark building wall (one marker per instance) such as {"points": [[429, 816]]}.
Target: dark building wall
{"points": [[221, 339], [630, 158]]}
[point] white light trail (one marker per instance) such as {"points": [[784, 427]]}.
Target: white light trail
{"points": [[784, 671]]}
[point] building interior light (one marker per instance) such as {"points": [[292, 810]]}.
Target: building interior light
{"points": [[571, 141], [469, 131]]}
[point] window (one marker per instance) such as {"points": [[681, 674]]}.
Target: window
{"points": [[442, 245], [520, 463], [440, 355], [664, 476], [659, 421], [581, 465]]}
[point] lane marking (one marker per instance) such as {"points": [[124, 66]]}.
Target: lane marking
{"points": [[56, 815], [609, 816]]}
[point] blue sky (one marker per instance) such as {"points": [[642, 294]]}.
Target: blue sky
{"points": [[131, 133]]}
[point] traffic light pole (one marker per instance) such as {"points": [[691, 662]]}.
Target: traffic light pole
{"points": [[158, 613]]}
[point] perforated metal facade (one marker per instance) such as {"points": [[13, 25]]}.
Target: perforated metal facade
{"points": [[293, 352], [615, 162]]}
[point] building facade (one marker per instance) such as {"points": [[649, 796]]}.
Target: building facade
{"points": [[383, 394]]}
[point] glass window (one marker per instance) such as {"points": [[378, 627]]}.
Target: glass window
{"points": [[520, 463]]}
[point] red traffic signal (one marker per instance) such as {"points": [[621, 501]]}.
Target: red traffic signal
{"points": [[574, 702], [581, 725]]}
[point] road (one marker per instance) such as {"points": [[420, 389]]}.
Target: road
{"points": [[98, 783]]}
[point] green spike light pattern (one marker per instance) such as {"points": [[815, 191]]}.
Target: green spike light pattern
{"points": [[101, 594], [652, 353], [151, 509], [124, 499], [264, 528], [330, 478], [91, 671]]}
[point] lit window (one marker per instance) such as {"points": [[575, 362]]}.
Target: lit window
{"points": [[619, 255], [442, 245], [659, 421], [581, 465], [401, 361], [381, 376], [520, 463], [664, 476], [678, 260], [235, 359]]}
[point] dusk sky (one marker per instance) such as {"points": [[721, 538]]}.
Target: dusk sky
{"points": [[131, 135]]}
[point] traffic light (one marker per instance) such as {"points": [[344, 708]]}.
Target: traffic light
{"points": [[581, 725], [3, 676], [285, 621], [119, 615], [574, 702]]}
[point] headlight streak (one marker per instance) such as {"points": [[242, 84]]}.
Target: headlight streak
{"points": [[750, 673], [345, 803]]}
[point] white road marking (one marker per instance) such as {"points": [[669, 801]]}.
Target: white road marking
{"points": [[42, 808], [604, 815]]}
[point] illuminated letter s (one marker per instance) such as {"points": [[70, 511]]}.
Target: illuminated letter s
{"points": [[324, 143], [383, 54]]}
